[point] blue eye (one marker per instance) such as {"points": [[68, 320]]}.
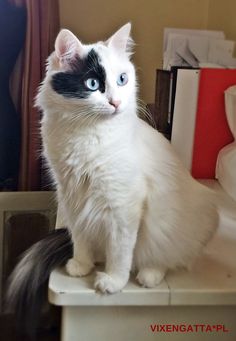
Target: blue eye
{"points": [[92, 84], [122, 79]]}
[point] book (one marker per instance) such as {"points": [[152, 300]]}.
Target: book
{"points": [[211, 131], [184, 114], [165, 99], [173, 82], [226, 160], [161, 108]]}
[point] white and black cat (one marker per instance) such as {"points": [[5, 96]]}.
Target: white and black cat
{"points": [[125, 197]]}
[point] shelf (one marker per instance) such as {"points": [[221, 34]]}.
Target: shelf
{"points": [[212, 281]]}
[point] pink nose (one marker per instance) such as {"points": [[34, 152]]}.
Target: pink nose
{"points": [[115, 103]]}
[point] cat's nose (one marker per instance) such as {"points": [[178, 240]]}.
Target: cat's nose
{"points": [[115, 103]]}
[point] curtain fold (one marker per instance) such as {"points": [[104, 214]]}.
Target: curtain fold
{"points": [[42, 28], [12, 36]]}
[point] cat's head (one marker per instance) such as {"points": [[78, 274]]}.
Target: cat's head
{"points": [[97, 79]]}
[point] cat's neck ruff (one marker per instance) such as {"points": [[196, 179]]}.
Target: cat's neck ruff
{"points": [[118, 124], [65, 142]]}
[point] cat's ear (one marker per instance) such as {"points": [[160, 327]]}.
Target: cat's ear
{"points": [[121, 40], [67, 46]]}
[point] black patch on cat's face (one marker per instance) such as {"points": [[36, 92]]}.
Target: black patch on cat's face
{"points": [[71, 83]]}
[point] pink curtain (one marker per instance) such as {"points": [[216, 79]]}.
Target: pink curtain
{"points": [[42, 28]]}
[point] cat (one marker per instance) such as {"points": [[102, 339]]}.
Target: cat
{"points": [[125, 196]]}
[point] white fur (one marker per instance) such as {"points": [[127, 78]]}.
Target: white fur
{"points": [[124, 193]]}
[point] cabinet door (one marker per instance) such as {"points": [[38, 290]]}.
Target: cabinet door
{"points": [[25, 218]]}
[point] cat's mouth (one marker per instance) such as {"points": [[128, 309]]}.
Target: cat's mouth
{"points": [[116, 111], [111, 114], [111, 111], [108, 110]]}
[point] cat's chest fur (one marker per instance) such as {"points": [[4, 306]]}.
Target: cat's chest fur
{"points": [[93, 165], [88, 149]]}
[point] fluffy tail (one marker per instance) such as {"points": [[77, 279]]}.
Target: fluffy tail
{"points": [[27, 285]]}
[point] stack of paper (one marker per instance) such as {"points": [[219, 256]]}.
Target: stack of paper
{"points": [[197, 48]]}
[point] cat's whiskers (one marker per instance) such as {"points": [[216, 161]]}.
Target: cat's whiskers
{"points": [[142, 108]]}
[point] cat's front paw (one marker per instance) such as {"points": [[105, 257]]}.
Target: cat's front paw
{"points": [[109, 283], [76, 268], [150, 277]]}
